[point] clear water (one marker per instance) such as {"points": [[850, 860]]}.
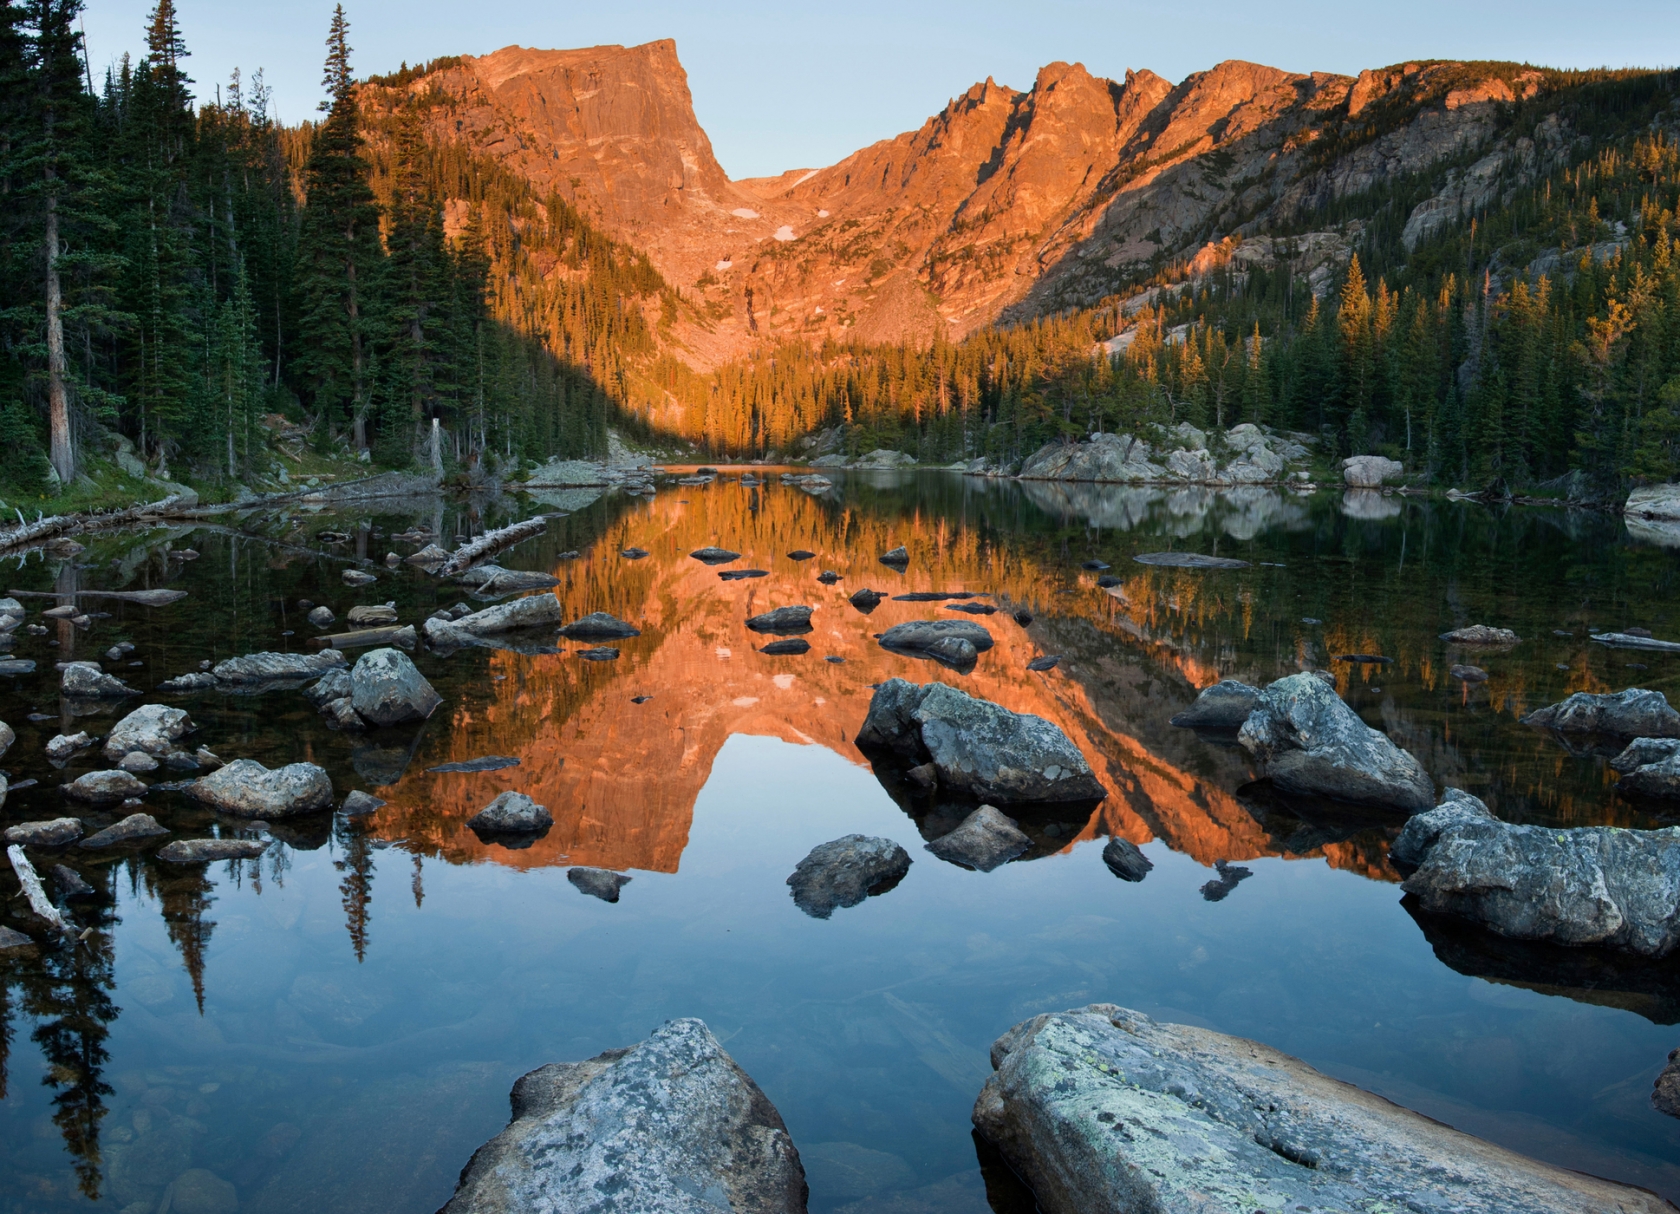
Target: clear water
{"points": [[336, 1027]]}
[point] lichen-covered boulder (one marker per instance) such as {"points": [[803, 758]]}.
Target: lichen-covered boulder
{"points": [[669, 1126], [85, 681], [1634, 713], [845, 871], [247, 789], [387, 689], [984, 840], [153, 729]]}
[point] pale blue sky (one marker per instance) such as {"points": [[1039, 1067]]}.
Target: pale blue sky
{"points": [[788, 85]]}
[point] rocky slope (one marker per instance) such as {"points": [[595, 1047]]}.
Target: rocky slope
{"points": [[1006, 204]]}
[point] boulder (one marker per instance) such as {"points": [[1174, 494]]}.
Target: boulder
{"points": [[202, 851], [387, 689], [782, 619], [985, 840], [153, 729], [1665, 1093], [534, 611], [1370, 471], [511, 813], [66, 744], [257, 669], [1125, 860], [333, 685], [131, 828], [1634, 713], [55, 833], [1468, 674], [341, 714], [1658, 503], [1225, 705], [358, 803], [669, 1126], [977, 748], [1102, 1108], [953, 643], [1306, 740], [1591, 885], [714, 556], [1481, 634], [845, 872], [599, 626], [429, 557], [898, 558], [104, 786], [371, 616], [1102, 458], [321, 617], [7, 737], [1650, 767], [866, 600], [357, 577], [85, 681], [600, 883], [247, 789], [138, 761], [1638, 639]]}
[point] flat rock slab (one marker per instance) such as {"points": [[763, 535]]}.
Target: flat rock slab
{"points": [[146, 598], [985, 840], [845, 872], [1188, 560], [669, 1126], [736, 575], [104, 787], [953, 643], [792, 647], [247, 789], [1482, 634], [276, 668], [486, 763], [1595, 885], [1627, 640], [54, 833], [1102, 1108], [600, 653], [599, 626], [132, 829], [714, 556], [536, 611], [600, 883], [202, 851]]}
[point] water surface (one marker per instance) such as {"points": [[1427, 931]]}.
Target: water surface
{"points": [[336, 1027]]}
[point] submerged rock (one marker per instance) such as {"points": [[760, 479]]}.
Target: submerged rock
{"points": [[600, 883], [104, 786], [256, 669], [1634, 713], [357, 577], [132, 828], [1481, 634], [387, 689], [1225, 705], [669, 1126], [247, 789], [953, 643], [1308, 741], [153, 729], [845, 872], [782, 619], [511, 813], [85, 681], [55, 833], [70, 885], [1468, 674], [986, 840], [1665, 1093], [976, 747], [203, 851], [359, 803], [1102, 1108], [599, 626], [1592, 885], [1125, 860]]}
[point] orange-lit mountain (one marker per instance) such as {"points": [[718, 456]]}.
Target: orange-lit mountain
{"points": [[1007, 203], [621, 778]]}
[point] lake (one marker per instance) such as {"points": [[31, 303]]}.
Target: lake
{"points": [[336, 1026]]}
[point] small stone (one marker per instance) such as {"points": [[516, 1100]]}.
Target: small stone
{"points": [[599, 625], [1048, 662], [358, 803], [206, 757], [985, 840], [65, 745], [511, 813], [341, 714], [69, 883], [134, 827], [138, 761], [322, 616], [201, 851], [357, 577], [372, 616], [54, 833], [1125, 860], [104, 786], [898, 558], [599, 883]]}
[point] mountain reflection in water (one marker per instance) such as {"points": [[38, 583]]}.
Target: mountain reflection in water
{"points": [[214, 1017]]}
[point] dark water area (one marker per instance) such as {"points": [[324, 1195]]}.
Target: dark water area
{"points": [[336, 1026]]}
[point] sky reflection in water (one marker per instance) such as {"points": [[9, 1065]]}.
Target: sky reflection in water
{"points": [[365, 1008]]}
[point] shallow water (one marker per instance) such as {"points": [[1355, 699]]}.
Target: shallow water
{"points": [[336, 1027]]}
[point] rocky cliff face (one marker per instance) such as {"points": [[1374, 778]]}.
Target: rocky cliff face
{"points": [[1004, 205]]}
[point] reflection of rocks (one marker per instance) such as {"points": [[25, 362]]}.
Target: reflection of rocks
{"points": [[1102, 1108], [1598, 976], [600, 883], [845, 872], [670, 1124], [977, 748], [986, 840], [380, 760], [1370, 505], [1308, 741], [1596, 885]]}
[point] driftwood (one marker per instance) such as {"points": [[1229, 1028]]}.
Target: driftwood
{"points": [[146, 598], [391, 635], [490, 543], [43, 529], [38, 900]]}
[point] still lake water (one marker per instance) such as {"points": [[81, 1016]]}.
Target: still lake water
{"points": [[337, 1026]]}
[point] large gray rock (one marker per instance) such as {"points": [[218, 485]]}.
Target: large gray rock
{"points": [[954, 643], [976, 747], [511, 813], [669, 1126], [129, 830], [1308, 741], [1591, 885], [1650, 767], [985, 840], [1370, 471], [104, 786], [387, 689], [202, 851], [54, 833], [85, 681], [1665, 1092], [1103, 1109], [153, 729], [1634, 713], [534, 611], [334, 685], [1225, 705], [846, 871], [259, 669], [247, 789], [1104, 457]]}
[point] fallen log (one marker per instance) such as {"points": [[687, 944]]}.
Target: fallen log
{"points": [[146, 598], [68, 524], [490, 543], [389, 635], [38, 900]]}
